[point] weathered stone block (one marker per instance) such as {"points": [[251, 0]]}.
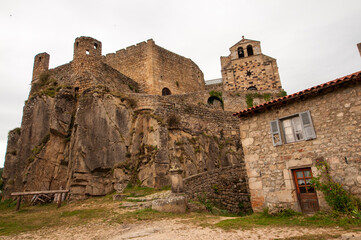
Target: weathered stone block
{"points": [[173, 204]]}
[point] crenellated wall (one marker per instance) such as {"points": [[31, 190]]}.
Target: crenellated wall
{"points": [[156, 68]]}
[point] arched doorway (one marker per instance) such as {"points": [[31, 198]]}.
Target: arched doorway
{"points": [[166, 92], [216, 102]]}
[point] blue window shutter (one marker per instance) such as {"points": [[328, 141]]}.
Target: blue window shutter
{"points": [[308, 129], [276, 133]]}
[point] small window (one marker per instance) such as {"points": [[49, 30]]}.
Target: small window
{"points": [[39, 59], [294, 128], [249, 50], [240, 52], [87, 52], [303, 179], [166, 92], [95, 45]]}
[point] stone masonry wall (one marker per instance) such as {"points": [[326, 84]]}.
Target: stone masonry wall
{"points": [[336, 116], [135, 62], [225, 187], [263, 69], [196, 119], [234, 101], [177, 73], [155, 68]]}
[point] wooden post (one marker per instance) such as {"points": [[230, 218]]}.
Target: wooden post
{"points": [[18, 203], [59, 199]]}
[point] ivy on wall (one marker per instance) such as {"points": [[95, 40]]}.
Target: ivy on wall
{"points": [[266, 96]]}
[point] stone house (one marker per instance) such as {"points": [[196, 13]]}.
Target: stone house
{"points": [[283, 139]]}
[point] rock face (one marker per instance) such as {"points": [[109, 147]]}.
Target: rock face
{"points": [[98, 142]]}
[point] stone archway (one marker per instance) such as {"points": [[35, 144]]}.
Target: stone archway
{"points": [[166, 91]]}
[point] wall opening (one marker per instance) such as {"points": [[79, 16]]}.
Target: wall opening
{"points": [[252, 88], [215, 101], [95, 45], [39, 59], [87, 52], [166, 92], [77, 44], [76, 89], [240, 52], [249, 50]]}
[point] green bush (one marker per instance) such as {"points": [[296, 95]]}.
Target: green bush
{"points": [[336, 196], [267, 97], [215, 94], [282, 93]]}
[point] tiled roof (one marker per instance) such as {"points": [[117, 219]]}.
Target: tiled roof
{"points": [[308, 91]]}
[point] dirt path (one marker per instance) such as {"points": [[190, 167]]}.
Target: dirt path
{"points": [[177, 229]]}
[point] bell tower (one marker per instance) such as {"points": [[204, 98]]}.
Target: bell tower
{"points": [[247, 68]]}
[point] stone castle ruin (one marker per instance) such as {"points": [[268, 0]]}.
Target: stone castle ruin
{"points": [[100, 122]]}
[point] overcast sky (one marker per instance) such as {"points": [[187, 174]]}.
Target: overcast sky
{"points": [[313, 41]]}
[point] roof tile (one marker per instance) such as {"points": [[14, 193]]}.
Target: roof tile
{"points": [[298, 94]]}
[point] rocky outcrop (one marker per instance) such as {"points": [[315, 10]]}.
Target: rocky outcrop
{"points": [[99, 141]]}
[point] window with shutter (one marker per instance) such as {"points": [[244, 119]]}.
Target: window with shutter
{"points": [[276, 133], [294, 128], [307, 125]]}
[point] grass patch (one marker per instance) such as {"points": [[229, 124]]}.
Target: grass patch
{"points": [[7, 204], [31, 218], [138, 191]]}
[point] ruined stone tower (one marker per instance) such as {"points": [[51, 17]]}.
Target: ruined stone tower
{"points": [[246, 68], [86, 60], [41, 64], [87, 48]]}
